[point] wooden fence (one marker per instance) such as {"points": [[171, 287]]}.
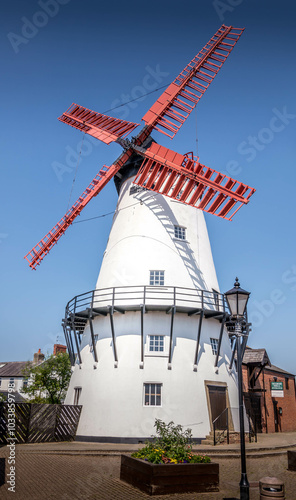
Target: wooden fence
{"points": [[38, 423]]}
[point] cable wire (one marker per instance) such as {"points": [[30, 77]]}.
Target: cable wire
{"points": [[136, 99], [104, 215]]}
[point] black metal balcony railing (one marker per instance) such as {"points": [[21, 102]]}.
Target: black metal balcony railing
{"points": [[151, 297], [106, 301]]}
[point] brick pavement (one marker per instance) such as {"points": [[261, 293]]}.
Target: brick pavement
{"points": [[41, 476]]}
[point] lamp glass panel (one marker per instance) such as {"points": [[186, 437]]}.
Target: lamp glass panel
{"points": [[242, 302], [231, 299]]}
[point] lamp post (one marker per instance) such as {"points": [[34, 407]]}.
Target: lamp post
{"points": [[237, 299]]}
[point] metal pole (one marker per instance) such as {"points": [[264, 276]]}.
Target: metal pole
{"points": [[244, 483]]}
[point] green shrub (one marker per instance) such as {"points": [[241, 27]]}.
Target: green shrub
{"points": [[172, 445]]}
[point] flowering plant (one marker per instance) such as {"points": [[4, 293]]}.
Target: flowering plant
{"points": [[172, 445]]}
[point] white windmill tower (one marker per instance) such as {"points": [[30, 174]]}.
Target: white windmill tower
{"points": [[150, 341]]}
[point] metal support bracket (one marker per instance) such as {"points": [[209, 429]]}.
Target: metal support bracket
{"points": [[220, 339], [111, 313], [142, 334], [233, 354], [173, 311], [92, 334], [76, 340], [201, 315]]}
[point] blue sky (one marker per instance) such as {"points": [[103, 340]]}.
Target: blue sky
{"points": [[54, 53]]}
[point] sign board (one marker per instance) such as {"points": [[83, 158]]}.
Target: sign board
{"points": [[277, 386], [277, 394]]}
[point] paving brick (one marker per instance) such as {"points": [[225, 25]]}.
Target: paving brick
{"points": [[41, 476]]}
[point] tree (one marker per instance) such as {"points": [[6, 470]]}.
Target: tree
{"points": [[48, 382]]}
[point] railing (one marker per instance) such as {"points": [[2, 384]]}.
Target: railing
{"points": [[221, 421], [221, 425], [130, 296]]}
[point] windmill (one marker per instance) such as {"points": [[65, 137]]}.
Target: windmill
{"points": [[157, 302]]}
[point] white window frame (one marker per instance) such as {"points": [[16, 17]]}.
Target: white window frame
{"points": [[156, 277], [165, 341], [156, 343], [180, 232], [152, 391], [214, 345]]}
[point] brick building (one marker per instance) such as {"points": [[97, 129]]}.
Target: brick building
{"points": [[269, 393]]}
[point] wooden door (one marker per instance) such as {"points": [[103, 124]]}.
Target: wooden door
{"points": [[253, 408], [217, 396], [276, 418]]}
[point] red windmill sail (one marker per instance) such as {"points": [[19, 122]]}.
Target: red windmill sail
{"points": [[188, 181], [164, 171], [172, 108], [102, 127], [38, 252]]}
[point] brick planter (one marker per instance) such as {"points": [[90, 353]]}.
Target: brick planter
{"points": [[162, 479]]}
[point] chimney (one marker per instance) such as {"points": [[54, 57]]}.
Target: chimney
{"points": [[57, 348], [38, 357]]}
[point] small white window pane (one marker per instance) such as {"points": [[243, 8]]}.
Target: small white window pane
{"points": [[156, 278], [152, 394], [180, 232], [156, 343], [214, 345]]}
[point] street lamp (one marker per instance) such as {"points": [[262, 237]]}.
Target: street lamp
{"points": [[237, 299]]}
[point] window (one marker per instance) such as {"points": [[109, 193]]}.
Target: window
{"points": [[180, 232], [156, 278], [11, 380], [214, 345], [152, 394], [287, 383], [156, 343], [77, 392], [25, 382], [90, 342], [136, 189]]}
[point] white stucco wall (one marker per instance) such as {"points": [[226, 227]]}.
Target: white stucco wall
{"points": [[142, 239], [112, 397]]}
